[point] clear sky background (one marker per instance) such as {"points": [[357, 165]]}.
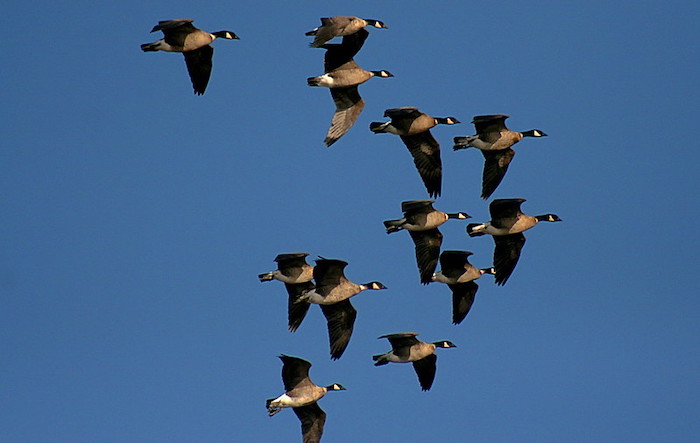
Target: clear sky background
{"points": [[136, 217]]}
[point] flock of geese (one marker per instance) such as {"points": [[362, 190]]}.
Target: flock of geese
{"points": [[325, 283]]}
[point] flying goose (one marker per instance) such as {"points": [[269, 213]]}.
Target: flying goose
{"points": [[506, 226], [413, 127], [342, 76], [421, 220], [340, 26], [405, 347], [332, 292], [459, 275], [494, 140], [296, 275], [301, 394], [181, 36]]}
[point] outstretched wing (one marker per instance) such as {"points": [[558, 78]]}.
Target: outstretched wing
{"points": [[312, 420], [425, 369], [199, 67], [348, 106], [495, 168], [462, 300], [506, 255], [341, 320], [426, 156], [485, 124], [427, 245], [296, 311]]}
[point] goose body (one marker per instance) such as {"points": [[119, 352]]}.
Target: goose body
{"points": [[414, 127], [343, 76], [405, 348], [340, 26], [457, 273], [507, 225], [332, 293], [296, 274], [421, 220], [420, 215], [301, 394], [331, 284], [291, 268], [180, 35], [494, 140]]}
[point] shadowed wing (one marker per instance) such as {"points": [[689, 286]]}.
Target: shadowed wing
{"points": [[199, 67], [328, 274], [339, 54], [454, 263], [506, 255], [485, 124], [495, 168], [505, 211], [341, 320], [294, 371], [401, 343], [426, 156], [425, 369], [462, 300], [427, 252], [175, 31], [297, 311], [312, 420]]}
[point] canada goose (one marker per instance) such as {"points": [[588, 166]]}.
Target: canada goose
{"points": [[181, 36], [301, 394], [333, 291], [296, 275], [494, 140], [340, 26], [459, 275], [413, 127], [291, 268], [405, 347], [421, 220], [506, 226], [343, 79]]}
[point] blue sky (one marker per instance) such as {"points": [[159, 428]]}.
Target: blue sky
{"points": [[136, 217]]}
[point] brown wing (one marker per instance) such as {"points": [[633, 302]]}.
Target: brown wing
{"points": [[495, 168], [462, 300], [427, 252], [330, 27], [293, 258], [454, 263], [199, 67], [339, 54], [417, 207], [505, 211], [341, 320], [294, 371], [348, 106], [328, 274], [426, 156], [506, 255], [312, 420], [425, 369], [407, 112], [184, 23], [297, 311], [402, 341], [485, 124]]}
